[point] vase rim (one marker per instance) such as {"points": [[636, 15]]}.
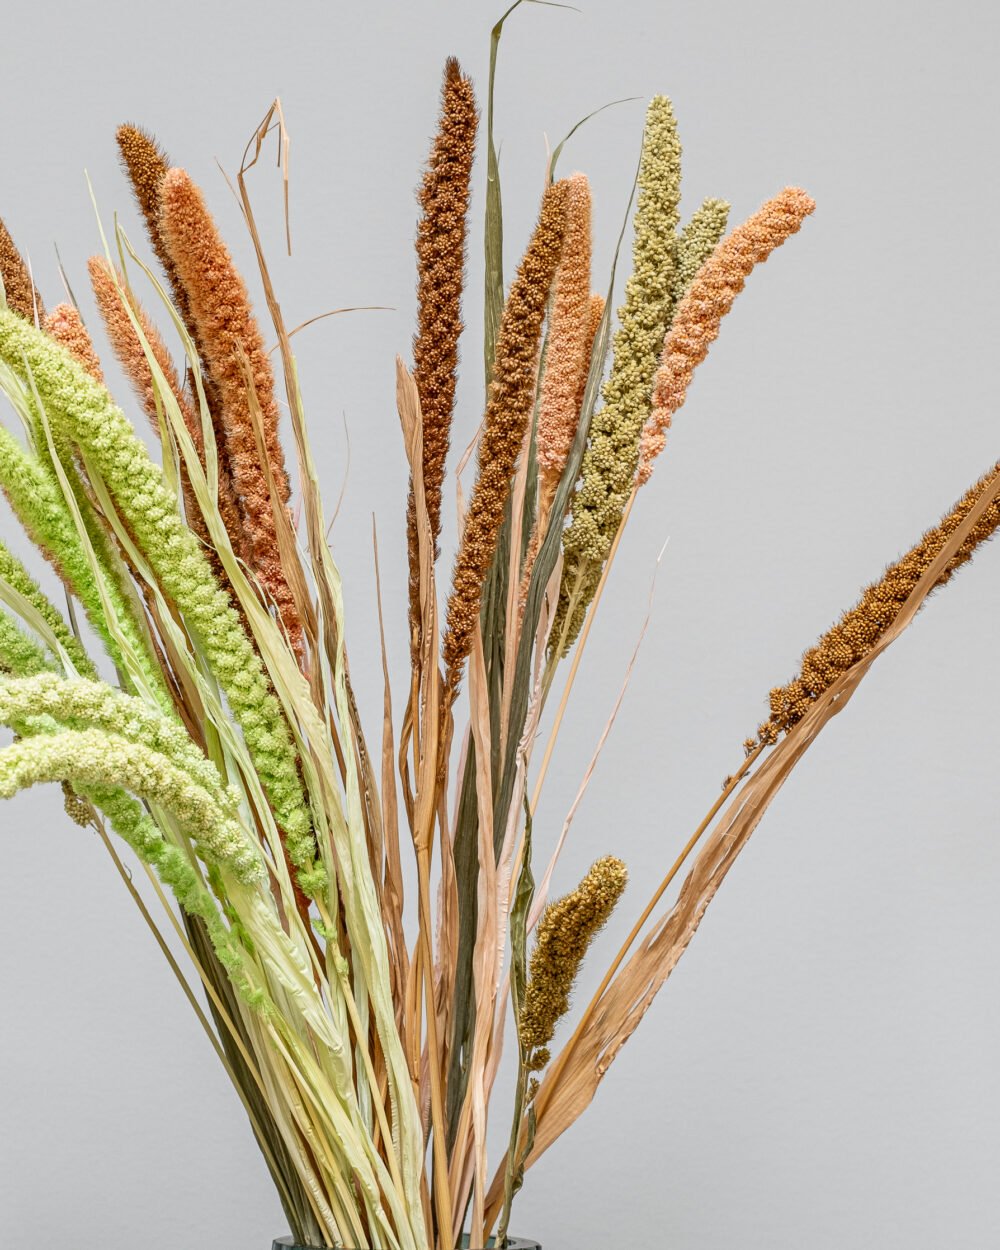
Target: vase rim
{"points": [[512, 1243]]}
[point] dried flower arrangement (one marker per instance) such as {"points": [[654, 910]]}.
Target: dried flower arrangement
{"points": [[202, 711]]}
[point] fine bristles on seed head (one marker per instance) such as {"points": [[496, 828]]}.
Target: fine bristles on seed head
{"points": [[20, 292]]}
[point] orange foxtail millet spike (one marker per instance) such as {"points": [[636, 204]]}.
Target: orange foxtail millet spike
{"points": [[65, 325], [508, 410], [860, 629], [22, 297], [567, 361], [709, 298], [232, 347], [440, 246]]}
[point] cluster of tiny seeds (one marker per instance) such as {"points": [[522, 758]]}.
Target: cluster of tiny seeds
{"points": [[711, 295], [860, 629], [19, 290], [37, 501], [131, 356], [84, 703], [508, 410], [440, 245], [13, 572], [696, 243], [232, 347], [145, 164], [565, 931], [609, 463], [568, 351], [19, 654], [64, 324], [94, 757], [91, 419]]}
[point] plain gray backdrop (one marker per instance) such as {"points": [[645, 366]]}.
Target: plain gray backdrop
{"points": [[822, 1070]]}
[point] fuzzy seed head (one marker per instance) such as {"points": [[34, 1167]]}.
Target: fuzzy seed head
{"points": [[565, 931]]}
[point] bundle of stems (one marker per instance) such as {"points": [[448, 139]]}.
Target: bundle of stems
{"points": [[196, 703]]}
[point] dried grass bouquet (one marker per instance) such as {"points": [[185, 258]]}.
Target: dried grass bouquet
{"points": [[366, 911]]}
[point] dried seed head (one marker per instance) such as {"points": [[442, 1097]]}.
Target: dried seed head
{"points": [[565, 931], [699, 315], [860, 629], [696, 243], [441, 235], [110, 289], [145, 164], [568, 354], [508, 409], [65, 325], [609, 463], [22, 297], [232, 347]]}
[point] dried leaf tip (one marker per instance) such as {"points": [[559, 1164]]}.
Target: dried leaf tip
{"points": [[20, 292], [508, 409], [711, 295], [565, 931], [440, 246], [858, 630]]}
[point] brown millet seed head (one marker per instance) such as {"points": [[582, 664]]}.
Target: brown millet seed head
{"points": [[508, 410], [440, 247], [22, 297], [860, 629], [145, 164], [565, 931]]}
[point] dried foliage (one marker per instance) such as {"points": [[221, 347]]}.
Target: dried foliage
{"points": [[227, 753]]}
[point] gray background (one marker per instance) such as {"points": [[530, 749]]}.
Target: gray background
{"points": [[822, 1070]]}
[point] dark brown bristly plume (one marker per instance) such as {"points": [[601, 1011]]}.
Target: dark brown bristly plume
{"points": [[441, 237], [508, 409], [22, 297], [145, 164], [860, 629]]}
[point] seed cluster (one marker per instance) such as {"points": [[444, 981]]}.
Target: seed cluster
{"points": [[699, 315], [20, 292], [859, 630], [233, 349], [609, 462], [565, 931], [440, 245], [65, 325], [508, 409]]}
